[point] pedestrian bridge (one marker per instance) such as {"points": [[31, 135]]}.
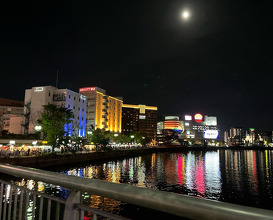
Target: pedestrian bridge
{"points": [[16, 200]]}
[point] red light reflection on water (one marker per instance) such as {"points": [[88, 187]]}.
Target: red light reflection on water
{"points": [[199, 177], [180, 170], [255, 172]]}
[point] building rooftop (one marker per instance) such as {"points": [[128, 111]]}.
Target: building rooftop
{"points": [[139, 106], [10, 102]]}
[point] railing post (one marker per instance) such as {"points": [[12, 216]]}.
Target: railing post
{"points": [[70, 212]]}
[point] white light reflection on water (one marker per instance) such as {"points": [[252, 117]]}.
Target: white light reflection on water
{"points": [[212, 175], [190, 169], [243, 177]]}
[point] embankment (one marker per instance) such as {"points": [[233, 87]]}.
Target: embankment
{"points": [[55, 160]]}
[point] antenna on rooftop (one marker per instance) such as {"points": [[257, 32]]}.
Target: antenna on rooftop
{"points": [[57, 78]]}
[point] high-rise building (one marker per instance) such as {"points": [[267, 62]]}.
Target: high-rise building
{"points": [[11, 116], [236, 135], [37, 97], [140, 118], [103, 111]]}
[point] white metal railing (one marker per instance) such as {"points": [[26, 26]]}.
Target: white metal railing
{"points": [[72, 208]]}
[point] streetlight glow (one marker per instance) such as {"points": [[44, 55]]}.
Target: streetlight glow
{"points": [[38, 128]]}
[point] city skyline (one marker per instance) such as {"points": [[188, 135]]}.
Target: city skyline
{"points": [[216, 62]]}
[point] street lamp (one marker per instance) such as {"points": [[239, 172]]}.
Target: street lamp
{"points": [[38, 128], [132, 136], [89, 132], [115, 135]]}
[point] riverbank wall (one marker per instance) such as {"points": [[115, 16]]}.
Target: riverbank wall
{"points": [[57, 160]]}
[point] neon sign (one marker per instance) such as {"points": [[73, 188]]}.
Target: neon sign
{"points": [[179, 129], [198, 118], [87, 89], [38, 89], [211, 134], [188, 118]]}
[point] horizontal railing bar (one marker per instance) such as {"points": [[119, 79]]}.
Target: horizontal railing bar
{"points": [[100, 212], [176, 204], [57, 199]]}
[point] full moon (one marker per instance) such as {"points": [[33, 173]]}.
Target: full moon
{"points": [[185, 14]]}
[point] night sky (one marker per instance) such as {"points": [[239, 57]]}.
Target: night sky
{"points": [[217, 62]]}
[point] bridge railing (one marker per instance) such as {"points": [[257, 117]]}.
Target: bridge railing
{"points": [[18, 202]]}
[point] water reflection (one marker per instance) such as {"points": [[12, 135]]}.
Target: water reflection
{"points": [[243, 177]]}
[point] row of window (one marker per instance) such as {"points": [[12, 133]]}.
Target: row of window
{"points": [[75, 99], [69, 96], [75, 108]]}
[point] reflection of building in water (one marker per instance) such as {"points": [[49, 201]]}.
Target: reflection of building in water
{"points": [[212, 174], [112, 172], [252, 170], [199, 177], [141, 173], [190, 167], [231, 167], [103, 203], [247, 177], [170, 168], [180, 169]]}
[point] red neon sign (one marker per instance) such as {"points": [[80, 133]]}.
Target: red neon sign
{"points": [[198, 118], [87, 89]]}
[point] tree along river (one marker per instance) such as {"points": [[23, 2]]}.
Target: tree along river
{"points": [[237, 176]]}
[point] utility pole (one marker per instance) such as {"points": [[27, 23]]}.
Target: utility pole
{"points": [[57, 78]]}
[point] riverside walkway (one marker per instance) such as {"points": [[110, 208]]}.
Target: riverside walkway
{"points": [[49, 159]]}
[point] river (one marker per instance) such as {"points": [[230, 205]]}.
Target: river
{"points": [[236, 176]]}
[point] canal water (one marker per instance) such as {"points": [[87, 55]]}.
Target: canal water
{"points": [[236, 176]]}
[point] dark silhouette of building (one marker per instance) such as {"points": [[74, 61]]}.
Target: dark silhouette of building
{"points": [[139, 118]]}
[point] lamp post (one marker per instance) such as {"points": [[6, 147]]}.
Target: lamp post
{"points": [[132, 136], [38, 128]]}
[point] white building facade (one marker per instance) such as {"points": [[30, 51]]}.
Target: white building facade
{"points": [[37, 97]]}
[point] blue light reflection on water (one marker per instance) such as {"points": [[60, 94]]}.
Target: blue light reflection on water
{"points": [[242, 177]]}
